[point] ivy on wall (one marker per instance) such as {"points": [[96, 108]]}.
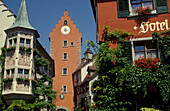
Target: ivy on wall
{"points": [[121, 83]]}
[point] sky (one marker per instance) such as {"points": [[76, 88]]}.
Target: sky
{"points": [[44, 14]]}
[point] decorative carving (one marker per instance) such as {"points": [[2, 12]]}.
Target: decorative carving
{"points": [[8, 87], [24, 58], [22, 86], [10, 60]]}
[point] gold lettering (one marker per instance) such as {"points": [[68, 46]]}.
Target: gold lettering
{"points": [[150, 25], [157, 25], [143, 25], [162, 24], [166, 22]]}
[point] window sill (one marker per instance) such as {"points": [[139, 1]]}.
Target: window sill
{"points": [[136, 16]]}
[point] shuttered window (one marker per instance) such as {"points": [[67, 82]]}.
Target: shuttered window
{"points": [[161, 6], [123, 8]]}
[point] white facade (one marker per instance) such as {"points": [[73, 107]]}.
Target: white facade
{"points": [[7, 18]]}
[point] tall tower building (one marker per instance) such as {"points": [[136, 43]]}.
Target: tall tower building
{"points": [[65, 49]]}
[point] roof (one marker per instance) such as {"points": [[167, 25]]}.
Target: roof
{"points": [[22, 19], [84, 63]]}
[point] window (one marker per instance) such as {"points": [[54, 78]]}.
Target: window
{"points": [[65, 22], [10, 43], [145, 49], [8, 73], [21, 42], [141, 3], [64, 89], [65, 56], [71, 43], [15, 42], [19, 73], [65, 71], [27, 43], [126, 7], [26, 72], [12, 73], [65, 43]]}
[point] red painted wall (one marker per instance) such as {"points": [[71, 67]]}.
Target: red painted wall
{"points": [[107, 15]]}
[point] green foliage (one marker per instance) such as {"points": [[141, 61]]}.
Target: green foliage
{"points": [[149, 109], [118, 76], [20, 105], [2, 61], [43, 87]]}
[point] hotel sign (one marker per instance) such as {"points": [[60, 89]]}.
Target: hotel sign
{"points": [[157, 26]]}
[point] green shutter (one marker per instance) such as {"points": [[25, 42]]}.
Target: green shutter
{"points": [[127, 46], [161, 6], [123, 8]]}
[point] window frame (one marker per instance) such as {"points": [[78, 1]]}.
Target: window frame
{"points": [[64, 71], [64, 90], [21, 73], [142, 39], [131, 10], [71, 44], [64, 43], [65, 56]]}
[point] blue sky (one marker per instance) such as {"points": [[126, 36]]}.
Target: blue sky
{"points": [[44, 14]]}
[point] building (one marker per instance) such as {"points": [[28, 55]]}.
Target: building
{"points": [[19, 69], [122, 14], [83, 77], [65, 49], [7, 18]]}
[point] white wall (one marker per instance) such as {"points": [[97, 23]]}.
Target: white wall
{"points": [[6, 20]]}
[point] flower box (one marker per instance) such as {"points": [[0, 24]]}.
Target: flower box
{"points": [[35, 51], [28, 48], [22, 47], [19, 79], [149, 63], [8, 80], [143, 11], [11, 48]]}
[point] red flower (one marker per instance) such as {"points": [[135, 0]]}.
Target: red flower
{"points": [[82, 108], [88, 76]]}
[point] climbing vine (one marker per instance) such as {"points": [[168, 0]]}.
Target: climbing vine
{"points": [[120, 83]]}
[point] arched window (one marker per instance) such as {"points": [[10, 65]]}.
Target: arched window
{"points": [[65, 22]]}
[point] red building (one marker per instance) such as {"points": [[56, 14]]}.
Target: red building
{"points": [[120, 14], [139, 17], [65, 49]]}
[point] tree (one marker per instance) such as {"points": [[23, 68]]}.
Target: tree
{"points": [[121, 83]]}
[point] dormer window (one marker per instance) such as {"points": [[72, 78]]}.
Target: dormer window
{"points": [[65, 22]]}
